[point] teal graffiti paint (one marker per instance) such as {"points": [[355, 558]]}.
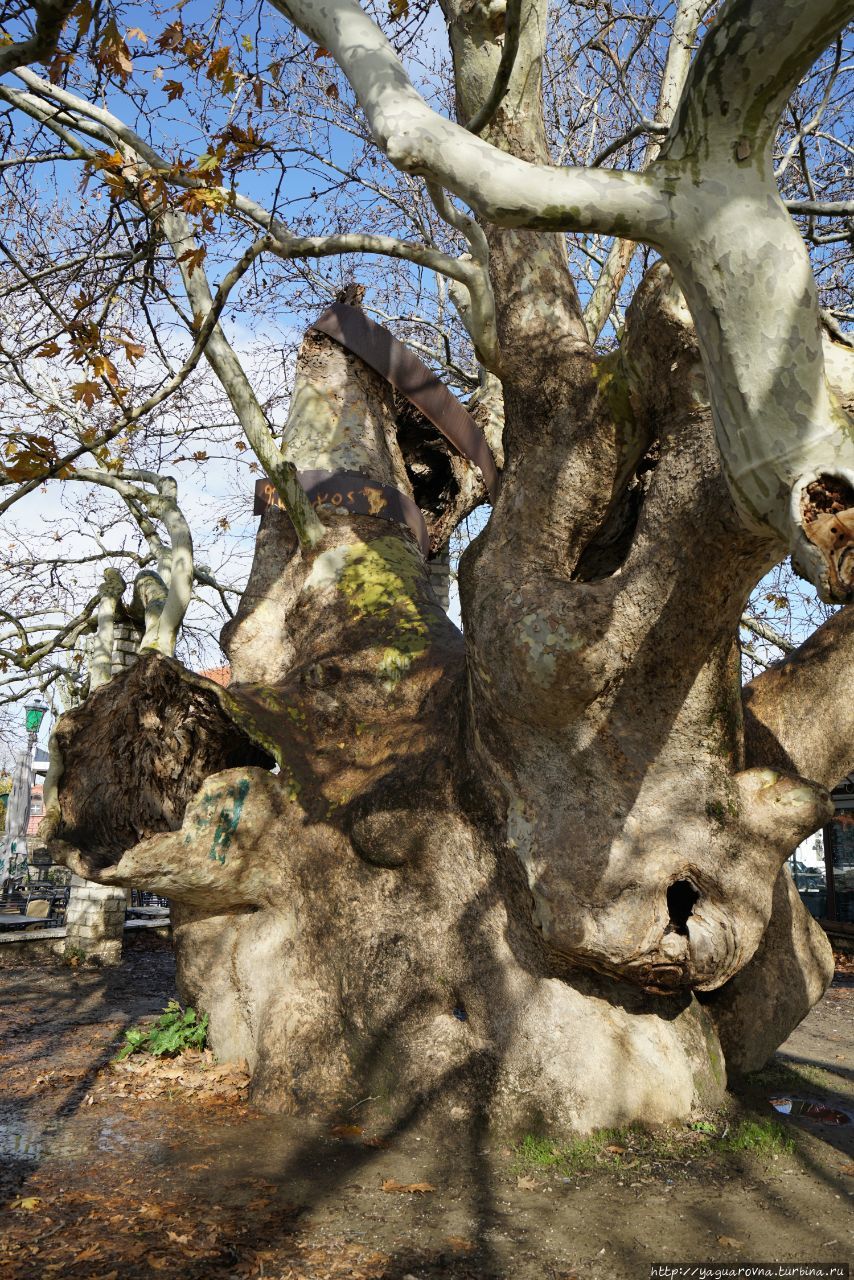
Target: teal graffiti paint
{"points": [[229, 817]]}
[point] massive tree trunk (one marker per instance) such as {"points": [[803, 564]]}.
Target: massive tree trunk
{"points": [[492, 871], [524, 872]]}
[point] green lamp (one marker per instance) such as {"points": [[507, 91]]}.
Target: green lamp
{"points": [[36, 711]]}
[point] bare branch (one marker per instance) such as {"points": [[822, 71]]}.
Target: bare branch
{"points": [[50, 17], [686, 24], [766, 632], [512, 27], [498, 186], [752, 59], [799, 716], [822, 208]]}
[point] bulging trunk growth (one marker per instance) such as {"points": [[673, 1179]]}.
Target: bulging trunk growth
{"points": [[491, 872], [531, 872]]}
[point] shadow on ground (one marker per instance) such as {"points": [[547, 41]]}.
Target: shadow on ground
{"points": [[101, 1186]]}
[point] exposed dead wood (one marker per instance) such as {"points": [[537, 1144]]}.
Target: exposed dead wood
{"points": [[135, 752], [829, 525]]}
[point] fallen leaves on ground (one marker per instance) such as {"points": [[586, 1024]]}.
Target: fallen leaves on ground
{"points": [[138, 1188], [28, 1202], [416, 1188], [196, 1072]]}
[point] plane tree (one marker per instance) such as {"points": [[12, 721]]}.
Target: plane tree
{"points": [[529, 870]]}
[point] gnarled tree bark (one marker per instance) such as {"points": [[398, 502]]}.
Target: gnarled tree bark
{"points": [[495, 868], [489, 874]]}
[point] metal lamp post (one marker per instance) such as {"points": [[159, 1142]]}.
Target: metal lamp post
{"points": [[14, 846], [35, 713]]}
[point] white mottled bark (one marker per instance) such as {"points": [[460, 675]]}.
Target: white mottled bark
{"points": [[164, 596], [709, 203], [686, 24], [498, 186], [747, 279], [101, 664]]}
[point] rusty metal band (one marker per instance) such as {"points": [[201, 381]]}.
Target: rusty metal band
{"points": [[350, 491], [350, 327]]}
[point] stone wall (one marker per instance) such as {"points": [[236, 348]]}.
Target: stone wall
{"points": [[95, 920], [440, 579], [126, 640]]}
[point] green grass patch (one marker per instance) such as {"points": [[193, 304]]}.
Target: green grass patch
{"points": [[666, 1151], [538, 1153], [759, 1138], [543, 1155]]}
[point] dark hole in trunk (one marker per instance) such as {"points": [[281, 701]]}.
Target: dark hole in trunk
{"points": [[826, 496], [681, 897], [610, 545], [426, 455]]}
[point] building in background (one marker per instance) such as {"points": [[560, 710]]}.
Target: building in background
{"points": [[823, 866]]}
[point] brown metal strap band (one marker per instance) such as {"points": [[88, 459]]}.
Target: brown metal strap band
{"points": [[350, 327], [355, 493]]}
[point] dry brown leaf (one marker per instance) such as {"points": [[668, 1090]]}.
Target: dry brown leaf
{"points": [[730, 1242], [375, 1142], [527, 1184], [85, 1254], [420, 1188], [459, 1244], [239, 1068], [616, 1149], [151, 1211]]}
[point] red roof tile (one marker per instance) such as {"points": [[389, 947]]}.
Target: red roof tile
{"points": [[219, 675]]}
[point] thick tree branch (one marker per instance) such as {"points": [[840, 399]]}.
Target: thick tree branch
{"points": [[101, 663], [799, 715], [784, 433], [512, 29], [50, 18], [498, 186], [822, 208], [755, 53], [686, 24], [765, 632], [477, 309], [166, 610]]}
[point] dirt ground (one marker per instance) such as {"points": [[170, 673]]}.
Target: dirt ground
{"points": [[161, 1168]]}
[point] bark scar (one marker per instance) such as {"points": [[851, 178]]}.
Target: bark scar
{"points": [[828, 523]]}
